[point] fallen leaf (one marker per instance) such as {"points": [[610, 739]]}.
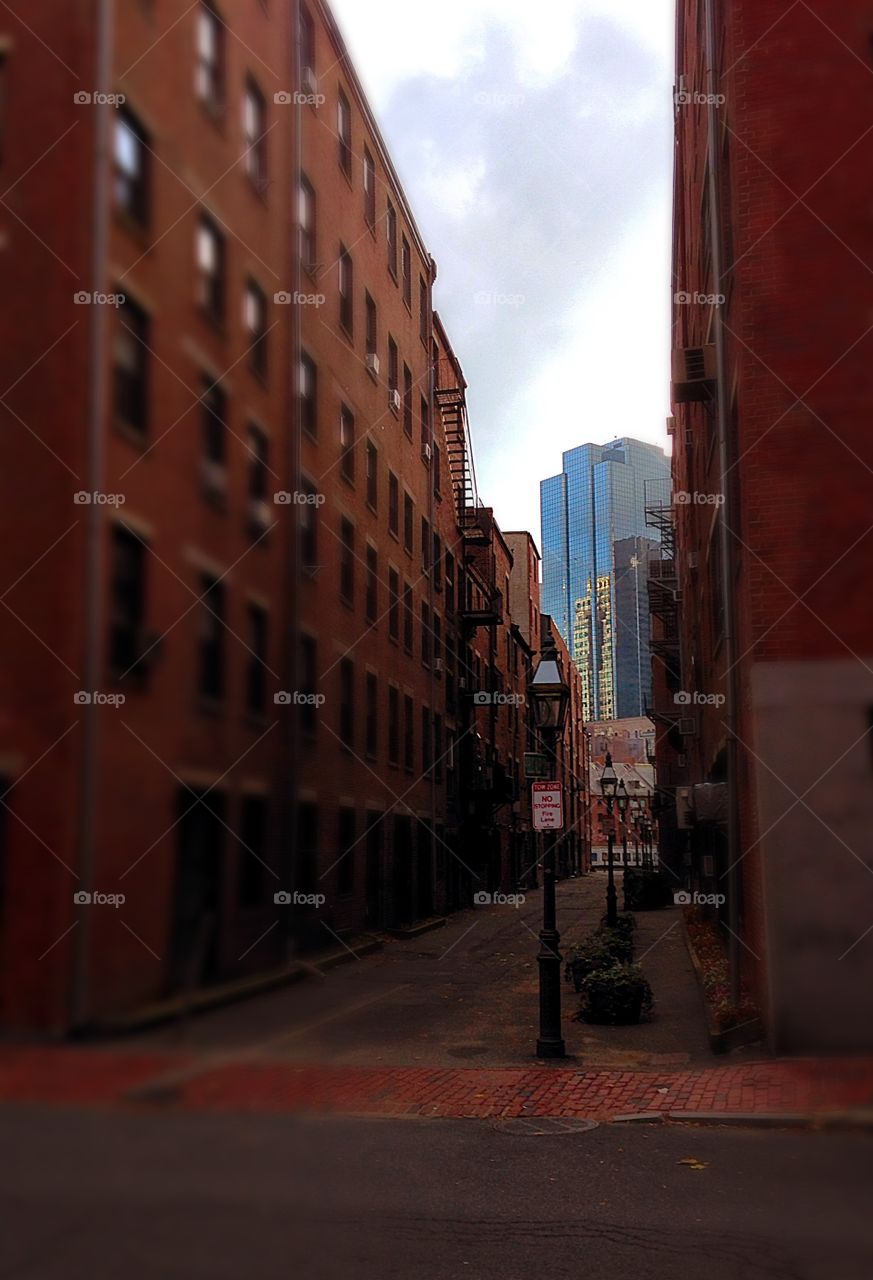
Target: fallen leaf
{"points": [[692, 1163]]}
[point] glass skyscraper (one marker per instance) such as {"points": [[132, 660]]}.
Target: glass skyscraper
{"points": [[595, 546]]}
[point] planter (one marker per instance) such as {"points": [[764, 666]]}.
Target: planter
{"points": [[618, 996], [647, 890]]}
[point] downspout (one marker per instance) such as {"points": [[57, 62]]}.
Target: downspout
{"points": [[93, 575], [727, 510], [431, 598]]}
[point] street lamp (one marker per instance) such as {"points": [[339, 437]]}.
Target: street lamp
{"points": [[621, 800], [549, 699], [608, 788]]}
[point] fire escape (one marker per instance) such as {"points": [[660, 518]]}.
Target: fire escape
{"points": [[664, 604]]}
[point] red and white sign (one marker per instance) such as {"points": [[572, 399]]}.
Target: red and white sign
{"points": [[548, 806]]}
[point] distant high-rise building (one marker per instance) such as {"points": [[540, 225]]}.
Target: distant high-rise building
{"points": [[593, 532]]}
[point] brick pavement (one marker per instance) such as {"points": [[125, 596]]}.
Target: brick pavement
{"points": [[247, 1084]]}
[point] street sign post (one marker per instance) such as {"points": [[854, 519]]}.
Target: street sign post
{"points": [[548, 806]]}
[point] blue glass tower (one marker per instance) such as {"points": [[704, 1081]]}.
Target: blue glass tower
{"points": [[591, 585]]}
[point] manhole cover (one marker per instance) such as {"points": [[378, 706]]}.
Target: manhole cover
{"points": [[543, 1126], [468, 1050]]}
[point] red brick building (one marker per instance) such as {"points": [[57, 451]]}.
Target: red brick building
{"points": [[249, 589], [772, 470]]}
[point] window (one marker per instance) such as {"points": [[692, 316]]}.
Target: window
{"points": [[406, 267], [426, 547], [347, 562], [214, 405], [255, 321], [407, 400], [308, 396], [131, 366], [253, 850], [255, 135], [437, 467], [210, 58], [393, 604], [391, 229], [438, 747], [393, 369], [408, 520], [346, 272], [372, 728], [437, 564], [426, 744], [347, 703], [425, 635], [408, 734], [450, 582], [306, 224], [307, 710], [393, 505], [308, 529], [423, 310], [211, 269], [307, 848], [372, 475], [369, 190], [437, 628], [393, 725], [212, 605], [408, 617], [131, 165], [424, 414], [372, 594], [256, 674], [344, 133], [307, 39], [372, 336], [127, 601], [345, 871], [258, 464], [347, 444]]}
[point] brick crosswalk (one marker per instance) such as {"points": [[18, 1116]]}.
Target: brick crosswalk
{"points": [[109, 1077]]}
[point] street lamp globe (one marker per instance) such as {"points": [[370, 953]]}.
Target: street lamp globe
{"points": [[548, 692], [621, 797], [608, 779]]}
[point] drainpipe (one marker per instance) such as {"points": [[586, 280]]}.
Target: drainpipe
{"points": [[727, 511], [93, 574]]}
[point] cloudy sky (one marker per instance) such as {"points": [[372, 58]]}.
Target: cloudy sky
{"points": [[534, 142]]}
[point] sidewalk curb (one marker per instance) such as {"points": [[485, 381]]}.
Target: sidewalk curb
{"points": [[206, 999], [858, 1120]]}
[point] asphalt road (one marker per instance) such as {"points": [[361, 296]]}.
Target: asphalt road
{"points": [[164, 1196]]}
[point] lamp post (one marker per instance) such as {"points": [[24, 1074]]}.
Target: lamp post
{"points": [[608, 786], [621, 802], [636, 819], [549, 698]]}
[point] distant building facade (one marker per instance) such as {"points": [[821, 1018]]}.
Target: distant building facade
{"points": [[590, 514]]}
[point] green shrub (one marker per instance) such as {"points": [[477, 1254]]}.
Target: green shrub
{"points": [[615, 997], [619, 942], [625, 923], [646, 890], [592, 954]]}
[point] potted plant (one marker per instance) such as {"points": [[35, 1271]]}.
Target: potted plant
{"points": [[617, 996], [594, 953]]}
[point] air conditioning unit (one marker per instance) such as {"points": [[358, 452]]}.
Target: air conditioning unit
{"points": [[684, 811], [671, 426], [426, 452], [689, 437], [213, 477], [694, 373], [438, 666], [373, 363], [687, 726], [462, 683], [394, 400], [693, 559], [309, 81]]}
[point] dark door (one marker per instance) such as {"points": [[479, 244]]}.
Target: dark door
{"points": [[375, 832], [424, 870], [194, 944], [401, 880]]}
